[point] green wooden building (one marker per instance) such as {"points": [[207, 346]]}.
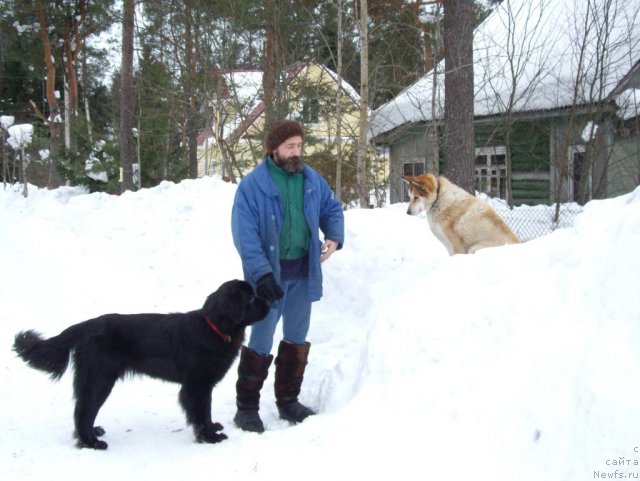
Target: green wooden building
{"points": [[544, 133]]}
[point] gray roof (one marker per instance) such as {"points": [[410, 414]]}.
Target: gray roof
{"points": [[532, 55]]}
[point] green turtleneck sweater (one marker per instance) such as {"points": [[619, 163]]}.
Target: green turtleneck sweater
{"points": [[295, 235]]}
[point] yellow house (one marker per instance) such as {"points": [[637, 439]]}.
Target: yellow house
{"points": [[232, 143]]}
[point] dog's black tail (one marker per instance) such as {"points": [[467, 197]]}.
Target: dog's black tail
{"points": [[48, 355]]}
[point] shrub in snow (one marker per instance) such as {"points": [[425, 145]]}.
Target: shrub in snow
{"points": [[20, 135]]}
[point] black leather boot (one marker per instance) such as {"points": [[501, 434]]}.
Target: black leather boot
{"points": [[290, 365], [252, 372]]}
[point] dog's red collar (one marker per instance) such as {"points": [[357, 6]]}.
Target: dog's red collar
{"points": [[225, 337]]}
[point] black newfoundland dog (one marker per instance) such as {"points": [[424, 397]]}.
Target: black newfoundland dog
{"points": [[194, 349]]}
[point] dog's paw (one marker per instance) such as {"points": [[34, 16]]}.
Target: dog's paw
{"points": [[210, 434], [94, 444], [217, 427], [212, 438]]}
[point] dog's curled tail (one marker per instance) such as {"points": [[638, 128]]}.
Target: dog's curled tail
{"points": [[48, 355]]}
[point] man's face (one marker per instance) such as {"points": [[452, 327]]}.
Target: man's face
{"points": [[287, 155]]}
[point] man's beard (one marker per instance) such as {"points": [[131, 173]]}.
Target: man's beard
{"points": [[291, 165]]}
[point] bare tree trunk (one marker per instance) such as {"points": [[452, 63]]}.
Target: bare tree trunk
{"points": [[72, 44], [139, 147], [459, 144], [270, 70], [126, 98], [339, 107], [191, 58], [218, 125], [87, 111], [433, 158], [3, 156], [68, 115], [53, 120], [25, 181], [427, 32], [361, 173]]}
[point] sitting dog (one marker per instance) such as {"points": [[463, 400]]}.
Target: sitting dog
{"points": [[462, 222], [194, 349]]}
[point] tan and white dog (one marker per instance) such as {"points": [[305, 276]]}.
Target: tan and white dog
{"points": [[462, 222]]}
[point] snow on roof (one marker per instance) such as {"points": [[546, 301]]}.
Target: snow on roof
{"points": [[245, 87], [527, 57], [346, 86]]}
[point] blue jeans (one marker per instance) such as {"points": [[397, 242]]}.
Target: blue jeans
{"points": [[295, 310]]}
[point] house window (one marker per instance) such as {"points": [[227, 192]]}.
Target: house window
{"points": [[579, 186], [311, 111], [491, 171], [413, 169]]}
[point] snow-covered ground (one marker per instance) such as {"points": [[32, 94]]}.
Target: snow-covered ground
{"points": [[515, 363]]}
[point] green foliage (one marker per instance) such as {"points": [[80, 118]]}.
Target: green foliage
{"points": [[172, 96], [105, 156], [323, 159], [327, 50], [21, 70], [158, 107], [396, 52]]}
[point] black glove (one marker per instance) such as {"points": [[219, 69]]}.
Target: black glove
{"points": [[268, 289]]}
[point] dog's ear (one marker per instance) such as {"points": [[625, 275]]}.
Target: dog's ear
{"points": [[213, 303], [228, 302], [236, 304], [427, 183], [415, 183]]}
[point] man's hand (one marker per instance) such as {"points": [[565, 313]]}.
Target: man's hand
{"points": [[328, 248], [268, 289]]}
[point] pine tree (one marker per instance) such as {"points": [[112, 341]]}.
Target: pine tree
{"points": [[459, 150], [126, 98]]}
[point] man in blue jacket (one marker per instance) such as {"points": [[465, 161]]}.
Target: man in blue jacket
{"points": [[278, 212]]}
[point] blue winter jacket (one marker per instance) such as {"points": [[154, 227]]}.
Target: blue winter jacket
{"points": [[258, 215]]}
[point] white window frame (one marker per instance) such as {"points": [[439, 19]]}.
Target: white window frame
{"points": [[491, 177], [405, 189]]}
